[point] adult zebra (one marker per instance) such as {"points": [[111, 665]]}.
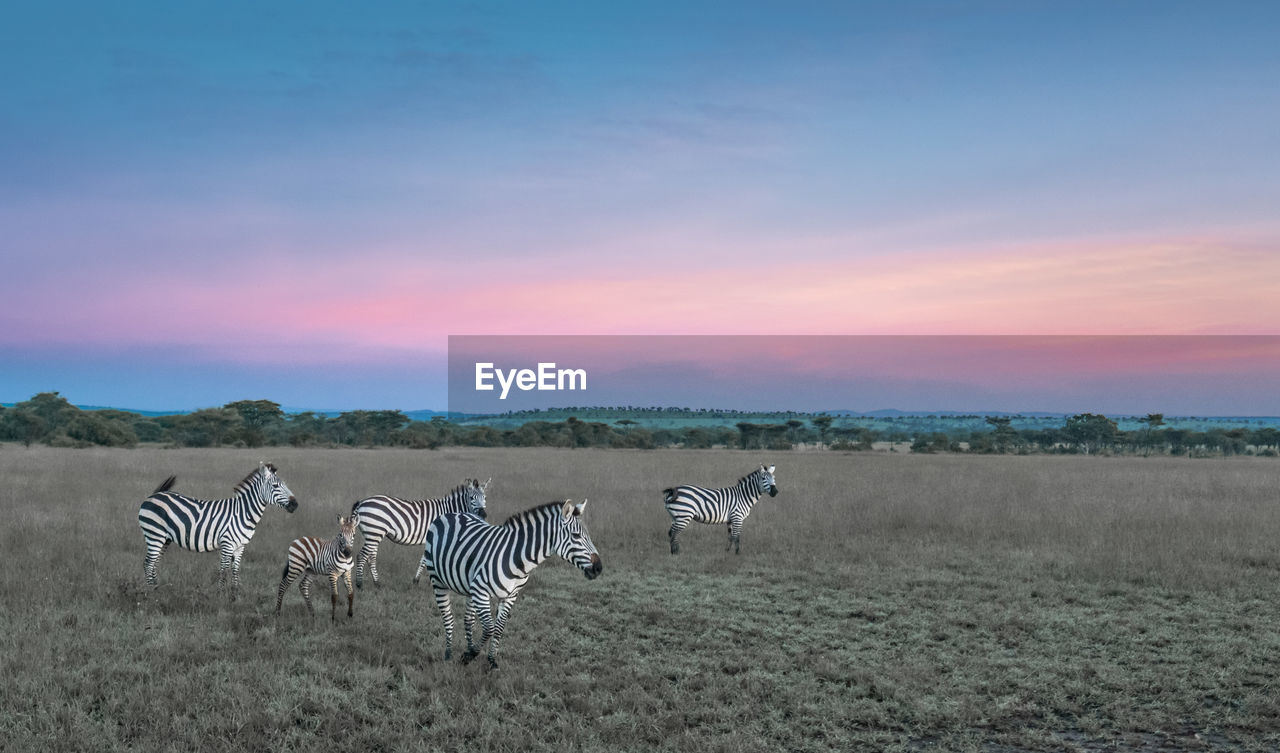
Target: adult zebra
{"points": [[405, 521], [492, 563], [203, 525], [311, 556], [730, 505]]}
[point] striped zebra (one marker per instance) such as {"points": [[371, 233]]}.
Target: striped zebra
{"points": [[310, 556], [405, 521], [203, 525], [490, 564], [730, 505]]}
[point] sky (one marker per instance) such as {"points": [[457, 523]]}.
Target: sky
{"points": [[205, 202]]}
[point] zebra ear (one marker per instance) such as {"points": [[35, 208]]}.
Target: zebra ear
{"points": [[771, 468], [485, 485], [580, 508], [567, 508]]}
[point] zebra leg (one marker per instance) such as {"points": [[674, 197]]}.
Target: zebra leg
{"points": [[155, 548], [351, 594], [286, 580], [367, 553], [468, 624], [676, 527], [227, 552], [305, 587], [235, 571], [504, 610], [333, 597], [373, 566], [730, 529], [735, 531], [446, 613]]}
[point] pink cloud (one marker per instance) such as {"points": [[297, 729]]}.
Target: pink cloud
{"points": [[392, 298]]}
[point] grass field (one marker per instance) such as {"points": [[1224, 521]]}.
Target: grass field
{"points": [[881, 602]]}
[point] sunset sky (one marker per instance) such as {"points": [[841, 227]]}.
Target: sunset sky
{"points": [[211, 201]]}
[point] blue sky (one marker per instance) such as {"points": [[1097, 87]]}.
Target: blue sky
{"points": [[262, 196]]}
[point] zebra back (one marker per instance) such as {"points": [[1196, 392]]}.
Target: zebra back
{"points": [[406, 521]]}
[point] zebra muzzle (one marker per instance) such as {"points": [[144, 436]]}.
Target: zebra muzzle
{"points": [[593, 571], [773, 491], [293, 504]]}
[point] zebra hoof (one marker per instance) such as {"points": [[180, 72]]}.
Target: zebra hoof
{"points": [[492, 664], [469, 655], [448, 654]]}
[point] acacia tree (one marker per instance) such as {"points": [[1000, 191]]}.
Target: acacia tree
{"points": [[1003, 434], [256, 417], [1153, 421], [1090, 432]]}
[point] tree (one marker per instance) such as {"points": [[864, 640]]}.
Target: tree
{"points": [[209, 427], [93, 427], [1153, 421], [1004, 434], [1090, 432], [823, 425], [256, 417], [23, 426]]}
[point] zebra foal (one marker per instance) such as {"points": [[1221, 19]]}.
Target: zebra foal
{"points": [[310, 556]]}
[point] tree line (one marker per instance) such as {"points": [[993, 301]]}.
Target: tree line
{"points": [[48, 418]]}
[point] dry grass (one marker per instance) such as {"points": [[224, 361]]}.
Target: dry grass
{"points": [[881, 602]]}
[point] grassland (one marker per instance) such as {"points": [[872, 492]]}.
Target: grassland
{"points": [[881, 602]]}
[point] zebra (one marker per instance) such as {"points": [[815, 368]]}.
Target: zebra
{"points": [[310, 556], [405, 521], [203, 525], [730, 505], [492, 563]]}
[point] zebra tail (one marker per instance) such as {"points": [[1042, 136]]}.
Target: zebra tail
{"points": [[354, 505], [166, 486], [668, 495]]}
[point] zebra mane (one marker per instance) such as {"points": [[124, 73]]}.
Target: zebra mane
{"points": [[533, 511], [246, 483]]}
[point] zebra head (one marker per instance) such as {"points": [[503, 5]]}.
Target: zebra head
{"points": [[346, 537], [572, 541], [473, 496], [765, 480], [279, 491]]}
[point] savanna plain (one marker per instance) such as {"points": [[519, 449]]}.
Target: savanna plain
{"points": [[882, 601]]}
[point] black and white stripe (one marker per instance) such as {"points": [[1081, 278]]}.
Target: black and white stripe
{"points": [[489, 564], [405, 521], [203, 525], [311, 556], [730, 505]]}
